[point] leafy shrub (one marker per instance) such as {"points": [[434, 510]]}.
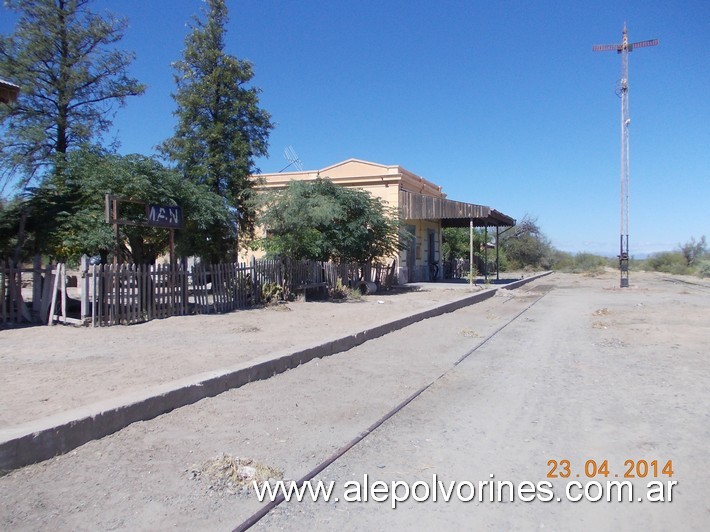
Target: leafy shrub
{"points": [[694, 250], [340, 291], [587, 262], [562, 261], [669, 262], [578, 263], [526, 247], [704, 268], [271, 292]]}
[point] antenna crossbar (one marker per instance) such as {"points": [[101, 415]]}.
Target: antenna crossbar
{"points": [[292, 158]]}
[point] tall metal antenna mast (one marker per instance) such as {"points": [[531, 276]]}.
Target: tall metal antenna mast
{"points": [[624, 48]]}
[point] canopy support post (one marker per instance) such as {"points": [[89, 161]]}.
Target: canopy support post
{"points": [[485, 251], [497, 254], [470, 253]]}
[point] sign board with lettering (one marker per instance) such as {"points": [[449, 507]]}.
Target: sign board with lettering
{"points": [[169, 216]]}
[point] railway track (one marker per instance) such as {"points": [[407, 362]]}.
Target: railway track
{"points": [[537, 293], [674, 280]]}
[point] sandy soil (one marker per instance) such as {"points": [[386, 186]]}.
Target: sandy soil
{"points": [[587, 371], [47, 370], [584, 375]]}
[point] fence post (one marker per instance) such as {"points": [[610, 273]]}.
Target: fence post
{"points": [[46, 293], [94, 296], [255, 294], [84, 268], [50, 320], [36, 286], [3, 297], [59, 285], [64, 291]]}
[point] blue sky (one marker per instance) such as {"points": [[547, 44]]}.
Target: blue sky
{"points": [[502, 103]]}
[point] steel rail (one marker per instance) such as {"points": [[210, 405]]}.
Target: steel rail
{"points": [[264, 511]]}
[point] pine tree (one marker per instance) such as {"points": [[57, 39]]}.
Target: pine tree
{"points": [[72, 77], [221, 128]]}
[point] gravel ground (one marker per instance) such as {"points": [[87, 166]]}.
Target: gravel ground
{"points": [[588, 371], [47, 370]]}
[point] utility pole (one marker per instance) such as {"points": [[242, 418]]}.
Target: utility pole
{"points": [[624, 48]]}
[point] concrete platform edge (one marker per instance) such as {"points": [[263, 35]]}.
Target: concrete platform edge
{"points": [[45, 443]]}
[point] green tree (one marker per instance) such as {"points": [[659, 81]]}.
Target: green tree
{"points": [[693, 251], [526, 246], [456, 242], [668, 262], [73, 202], [221, 129], [64, 58], [322, 221], [9, 218]]}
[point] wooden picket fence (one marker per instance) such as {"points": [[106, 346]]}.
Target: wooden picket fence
{"points": [[223, 287], [132, 293], [13, 307], [292, 274]]}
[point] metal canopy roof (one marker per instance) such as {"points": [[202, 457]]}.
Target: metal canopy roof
{"points": [[8, 91], [451, 213]]}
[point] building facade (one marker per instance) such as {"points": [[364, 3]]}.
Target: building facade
{"points": [[423, 206]]}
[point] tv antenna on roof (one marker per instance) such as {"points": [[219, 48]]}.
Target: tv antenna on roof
{"points": [[624, 48], [292, 158]]}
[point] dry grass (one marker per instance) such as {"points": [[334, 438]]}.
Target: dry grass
{"points": [[595, 273], [231, 474], [279, 306], [246, 329]]}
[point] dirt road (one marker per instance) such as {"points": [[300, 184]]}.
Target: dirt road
{"points": [[588, 372]]}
